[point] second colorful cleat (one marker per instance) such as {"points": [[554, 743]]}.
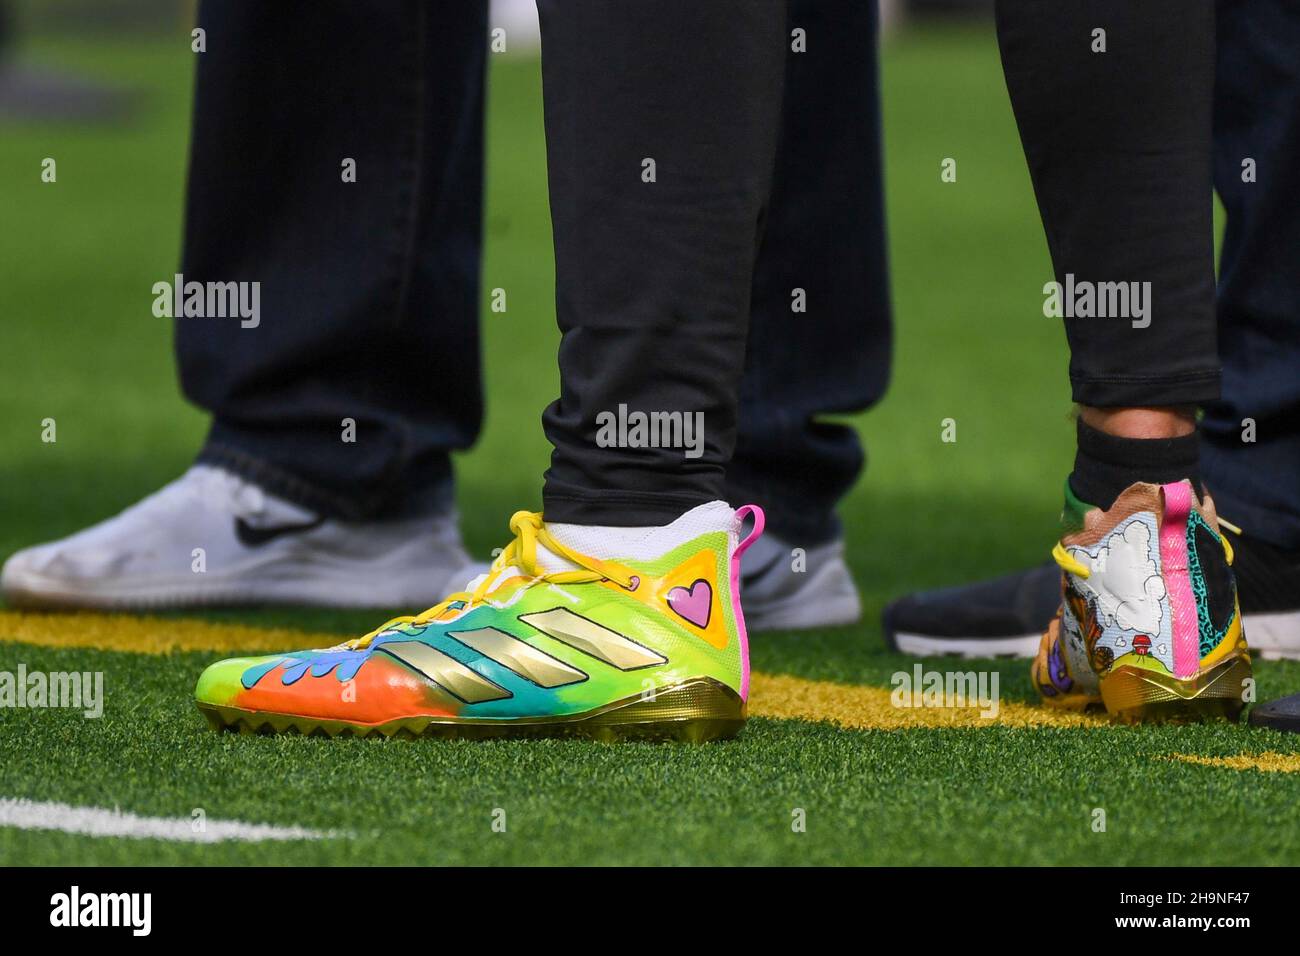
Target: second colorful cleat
{"points": [[1149, 624]]}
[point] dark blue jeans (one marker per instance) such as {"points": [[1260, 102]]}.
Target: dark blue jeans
{"points": [[369, 290], [366, 288], [1256, 484]]}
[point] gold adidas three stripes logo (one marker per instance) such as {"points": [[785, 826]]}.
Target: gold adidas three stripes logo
{"points": [[521, 658], [595, 640], [443, 669]]}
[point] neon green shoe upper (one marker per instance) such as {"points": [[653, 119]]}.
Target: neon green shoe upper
{"points": [[645, 642]]}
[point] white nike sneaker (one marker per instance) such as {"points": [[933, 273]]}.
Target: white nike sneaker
{"points": [[212, 538], [785, 590]]}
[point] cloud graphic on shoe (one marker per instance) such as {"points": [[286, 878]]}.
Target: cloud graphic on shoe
{"points": [[1129, 590]]}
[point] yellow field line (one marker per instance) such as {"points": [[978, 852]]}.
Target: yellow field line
{"points": [[781, 696], [150, 635], [872, 708], [1269, 761], [772, 695]]}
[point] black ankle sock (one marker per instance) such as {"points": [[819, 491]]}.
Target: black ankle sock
{"points": [[1105, 465]]}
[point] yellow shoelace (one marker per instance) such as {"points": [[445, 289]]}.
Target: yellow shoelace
{"points": [[1068, 563], [521, 553]]}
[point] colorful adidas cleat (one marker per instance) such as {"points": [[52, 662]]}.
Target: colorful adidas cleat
{"points": [[550, 642], [1149, 624]]}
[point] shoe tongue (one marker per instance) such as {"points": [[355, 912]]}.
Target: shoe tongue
{"points": [[548, 562], [638, 543]]}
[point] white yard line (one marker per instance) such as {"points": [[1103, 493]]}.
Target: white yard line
{"points": [[100, 822]]}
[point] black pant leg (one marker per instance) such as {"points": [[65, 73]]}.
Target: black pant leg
{"points": [[653, 278], [369, 290], [824, 349], [1118, 144]]}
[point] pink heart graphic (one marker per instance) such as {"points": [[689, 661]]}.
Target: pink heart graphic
{"points": [[695, 605]]}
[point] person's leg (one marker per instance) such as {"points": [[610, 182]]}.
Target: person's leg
{"points": [[1256, 105], [1114, 111], [820, 331], [369, 288], [1118, 148], [617, 613], [1114, 115], [660, 146], [1250, 452], [335, 162], [1250, 438]]}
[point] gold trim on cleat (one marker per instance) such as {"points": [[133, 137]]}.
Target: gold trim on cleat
{"points": [[694, 711], [1138, 694]]}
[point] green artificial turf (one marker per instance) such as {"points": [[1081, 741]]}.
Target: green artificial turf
{"points": [[80, 345], [996, 795]]}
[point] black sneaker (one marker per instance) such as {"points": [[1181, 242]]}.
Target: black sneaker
{"points": [[1280, 714], [1268, 586], [1007, 616], [1004, 617]]}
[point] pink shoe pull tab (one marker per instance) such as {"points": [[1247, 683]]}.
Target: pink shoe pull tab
{"points": [[743, 512], [1174, 563]]}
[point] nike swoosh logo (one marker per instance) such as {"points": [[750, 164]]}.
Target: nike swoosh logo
{"points": [[255, 537]]}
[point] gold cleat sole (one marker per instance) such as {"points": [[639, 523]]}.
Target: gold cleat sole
{"points": [[1133, 694], [695, 711], [1075, 703]]}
